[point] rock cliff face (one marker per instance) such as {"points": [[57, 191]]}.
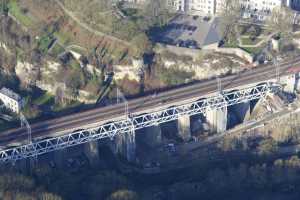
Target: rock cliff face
{"points": [[23, 71], [209, 66], [27, 74], [45, 77], [131, 71], [205, 67]]}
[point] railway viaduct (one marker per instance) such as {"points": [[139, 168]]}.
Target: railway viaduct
{"points": [[213, 100]]}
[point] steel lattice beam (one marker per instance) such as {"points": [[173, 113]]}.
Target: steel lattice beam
{"points": [[135, 122]]}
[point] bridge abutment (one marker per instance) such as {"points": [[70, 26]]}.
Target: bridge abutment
{"points": [[184, 127], [217, 119]]}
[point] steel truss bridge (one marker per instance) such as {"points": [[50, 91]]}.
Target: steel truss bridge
{"points": [[132, 122]]}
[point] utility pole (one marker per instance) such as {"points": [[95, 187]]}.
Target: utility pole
{"points": [[24, 122], [120, 95], [130, 134], [2, 24], [219, 83], [275, 62]]}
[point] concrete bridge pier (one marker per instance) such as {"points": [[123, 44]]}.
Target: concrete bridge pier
{"points": [[124, 145], [23, 165], [217, 119], [184, 127], [242, 111], [91, 150], [60, 157], [153, 135], [130, 146], [291, 83]]}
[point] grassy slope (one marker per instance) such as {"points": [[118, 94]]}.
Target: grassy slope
{"points": [[16, 11]]}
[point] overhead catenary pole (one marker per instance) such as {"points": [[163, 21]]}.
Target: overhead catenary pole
{"points": [[24, 122], [275, 62], [120, 95], [219, 83], [2, 25]]}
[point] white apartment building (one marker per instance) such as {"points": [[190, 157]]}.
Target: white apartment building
{"points": [[202, 6], [260, 9], [178, 5], [294, 4], [11, 100], [213, 7], [261, 5]]}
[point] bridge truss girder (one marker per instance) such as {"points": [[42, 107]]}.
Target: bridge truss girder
{"points": [[112, 129]]}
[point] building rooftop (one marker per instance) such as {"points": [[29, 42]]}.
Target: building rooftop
{"points": [[10, 93], [184, 29]]}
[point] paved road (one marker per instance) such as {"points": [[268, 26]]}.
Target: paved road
{"points": [[138, 105], [264, 40]]}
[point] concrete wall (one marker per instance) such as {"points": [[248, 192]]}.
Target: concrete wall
{"points": [[194, 53], [235, 51]]}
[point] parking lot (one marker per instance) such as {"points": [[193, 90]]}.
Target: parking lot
{"points": [[189, 31]]}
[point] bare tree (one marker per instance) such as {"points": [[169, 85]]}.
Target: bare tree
{"points": [[59, 96], [281, 21], [141, 44], [156, 12], [230, 15]]}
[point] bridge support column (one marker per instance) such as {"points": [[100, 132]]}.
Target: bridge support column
{"points": [[130, 146], [125, 145], [291, 83], [217, 119], [242, 111], [91, 150], [153, 135], [23, 165], [184, 127], [60, 157]]}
